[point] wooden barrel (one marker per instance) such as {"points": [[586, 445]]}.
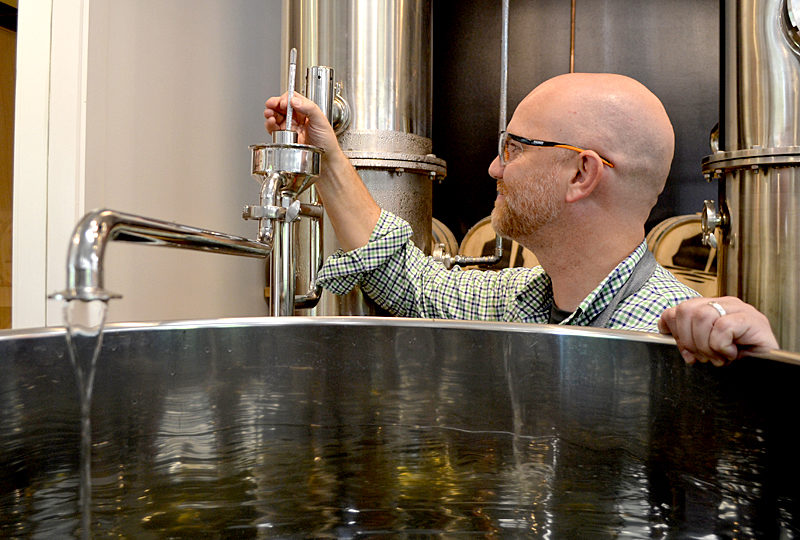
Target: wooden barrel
{"points": [[443, 239], [480, 242], [677, 245]]}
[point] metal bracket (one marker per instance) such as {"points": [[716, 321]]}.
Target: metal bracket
{"points": [[263, 212]]}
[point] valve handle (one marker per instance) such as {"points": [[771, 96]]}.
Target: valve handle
{"points": [[710, 219]]}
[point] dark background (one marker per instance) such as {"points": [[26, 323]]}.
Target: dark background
{"points": [[671, 46]]}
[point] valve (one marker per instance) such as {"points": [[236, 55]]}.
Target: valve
{"points": [[710, 219]]}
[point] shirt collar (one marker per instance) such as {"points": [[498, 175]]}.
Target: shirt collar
{"points": [[599, 299], [537, 296]]}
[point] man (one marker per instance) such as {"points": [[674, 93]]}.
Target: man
{"points": [[579, 168]]}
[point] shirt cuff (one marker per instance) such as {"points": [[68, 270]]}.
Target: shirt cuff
{"points": [[343, 270]]}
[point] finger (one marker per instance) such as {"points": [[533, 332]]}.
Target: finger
{"points": [[685, 313], [688, 357], [666, 321], [274, 103], [716, 361], [272, 125], [723, 342], [272, 113], [667, 324], [301, 109], [704, 317], [737, 331], [304, 108], [273, 120]]}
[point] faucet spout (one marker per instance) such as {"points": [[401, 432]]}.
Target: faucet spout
{"points": [[97, 228]]}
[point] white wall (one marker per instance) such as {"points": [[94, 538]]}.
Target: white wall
{"points": [[171, 97]]}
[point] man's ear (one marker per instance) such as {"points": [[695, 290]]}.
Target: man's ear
{"points": [[587, 177]]}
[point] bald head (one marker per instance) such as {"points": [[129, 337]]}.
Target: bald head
{"points": [[614, 115]]}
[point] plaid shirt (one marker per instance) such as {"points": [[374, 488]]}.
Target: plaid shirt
{"points": [[406, 282]]}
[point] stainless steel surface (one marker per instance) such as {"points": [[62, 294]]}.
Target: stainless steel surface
{"points": [[85, 278], [759, 252], [757, 166], [751, 157], [765, 71], [298, 164], [350, 427], [369, 143], [381, 52], [320, 88], [281, 276]]}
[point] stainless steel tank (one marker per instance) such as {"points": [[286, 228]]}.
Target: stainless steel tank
{"points": [[757, 163], [355, 427], [381, 55]]}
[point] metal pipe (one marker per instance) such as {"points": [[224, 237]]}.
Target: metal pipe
{"points": [[450, 261], [572, 38], [504, 67], [282, 276], [85, 280], [320, 88], [311, 298]]}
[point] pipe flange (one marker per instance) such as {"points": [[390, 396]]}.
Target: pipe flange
{"points": [[428, 164], [750, 158]]}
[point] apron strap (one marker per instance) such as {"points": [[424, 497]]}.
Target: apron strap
{"points": [[641, 273]]}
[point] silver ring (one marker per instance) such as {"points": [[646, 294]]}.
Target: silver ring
{"points": [[719, 308]]}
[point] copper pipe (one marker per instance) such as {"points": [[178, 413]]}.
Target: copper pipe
{"points": [[572, 39]]}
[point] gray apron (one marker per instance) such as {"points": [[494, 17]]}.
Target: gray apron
{"points": [[641, 273]]}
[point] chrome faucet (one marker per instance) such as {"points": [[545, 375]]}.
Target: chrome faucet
{"points": [[92, 233]]}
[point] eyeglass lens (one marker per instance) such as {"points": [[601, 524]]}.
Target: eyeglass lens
{"points": [[505, 150]]}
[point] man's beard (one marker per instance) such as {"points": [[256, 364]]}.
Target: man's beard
{"points": [[520, 214]]}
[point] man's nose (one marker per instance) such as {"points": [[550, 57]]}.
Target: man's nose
{"points": [[496, 169]]}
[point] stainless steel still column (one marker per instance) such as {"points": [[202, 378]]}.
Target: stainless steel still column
{"points": [[381, 54], [758, 162]]}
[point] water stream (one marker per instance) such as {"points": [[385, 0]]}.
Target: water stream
{"points": [[84, 322]]}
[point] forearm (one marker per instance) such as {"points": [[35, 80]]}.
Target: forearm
{"points": [[350, 207], [400, 278]]}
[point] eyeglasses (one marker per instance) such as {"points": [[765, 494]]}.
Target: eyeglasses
{"points": [[509, 147]]}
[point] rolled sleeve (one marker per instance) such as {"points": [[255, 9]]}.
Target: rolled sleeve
{"points": [[343, 270]]}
